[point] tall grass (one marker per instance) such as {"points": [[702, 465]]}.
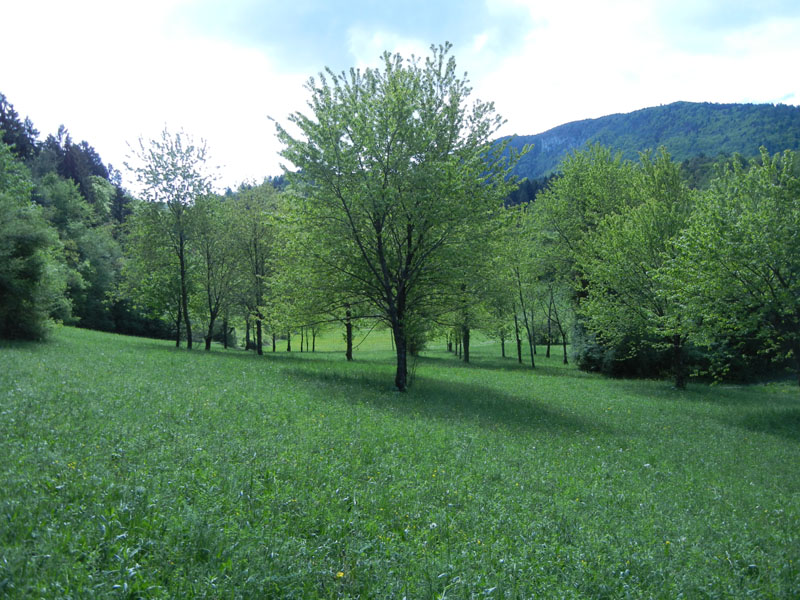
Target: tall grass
{"points": [[132, 469]]}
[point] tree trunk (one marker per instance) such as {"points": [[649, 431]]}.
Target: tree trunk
{"points": [[178, 328], [348, 329], [531, 344], [210, 332], [225, 332], [678, 366], [564, 343], [185, 292], [465, 333], [313, 339], [502, 345], [247, 333], [401, 375], [449, 343], [302, 338], [549, 326], [288, 341], [273, 342], [259, 346], [796, 349], [519, 339]]}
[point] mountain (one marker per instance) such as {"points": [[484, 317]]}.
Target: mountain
{"points": [[687, 129]]}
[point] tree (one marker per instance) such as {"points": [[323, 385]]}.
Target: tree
{"points": [[19, 135], [172, 172], [151, 274], [213, 244], [398, 174], [253, 213], [32, 279], [594, 182], [626, 302], [736, 274]]}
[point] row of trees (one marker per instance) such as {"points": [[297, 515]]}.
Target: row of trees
{"points": [[397, 211], [665, 277]]}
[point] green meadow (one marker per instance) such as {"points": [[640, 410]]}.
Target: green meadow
{"points": [[131, 469]]}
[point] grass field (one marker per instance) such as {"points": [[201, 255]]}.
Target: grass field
{"points": [[131, 469]]}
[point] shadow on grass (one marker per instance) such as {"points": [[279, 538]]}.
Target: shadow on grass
{"points": [[447, 400], [783, 423], [371, 382], [551, 367]]}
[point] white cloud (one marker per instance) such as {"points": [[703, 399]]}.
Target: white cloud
{"points": [[112, 71], [589, 59], [114, 79]]}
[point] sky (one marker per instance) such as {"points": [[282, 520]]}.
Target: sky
{"points": [[114, 71]]}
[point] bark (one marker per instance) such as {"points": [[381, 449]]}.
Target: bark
{"points": [[678, 364], [796, 350], [564, 343], [225, 333], [208, 339], [184, 292], [519, 339], [502, 345], [288, 341], [348, 328], [302, 338], [210, 332], [247, 333], [401, 374], [259, 346], [465, 336], [531, 344], [549, 326], [178, 328], [273, 342], [313, 340]]}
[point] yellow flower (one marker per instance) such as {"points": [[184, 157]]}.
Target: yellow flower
{"points": [[339, 575]]}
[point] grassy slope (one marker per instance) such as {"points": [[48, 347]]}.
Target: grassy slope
{"points": [[131, 469]]}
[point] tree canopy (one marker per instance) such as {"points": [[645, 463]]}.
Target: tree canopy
{"points": [[398, 175]]}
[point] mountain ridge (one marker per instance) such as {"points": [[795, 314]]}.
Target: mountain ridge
{"points": [[686, 129]]}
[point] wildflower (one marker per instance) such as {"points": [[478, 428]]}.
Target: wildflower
{"points": [[339, 575]]}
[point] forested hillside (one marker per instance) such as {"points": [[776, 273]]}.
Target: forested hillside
{"points": [[687, 129]]}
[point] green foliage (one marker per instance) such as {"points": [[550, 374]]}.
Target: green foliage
{"points": [[139, 471], [625, 303], [399, 179], [737, 269], [172, 173], [32, 279]]}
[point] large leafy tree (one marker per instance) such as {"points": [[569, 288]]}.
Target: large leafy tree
{"points": [[32, 280], [737, 271], [398, 176], [253, 212], [214, 248], [171, 171], [151, 273], [621, 259]]}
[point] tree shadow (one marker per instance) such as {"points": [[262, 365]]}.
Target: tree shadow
{"points": [[544, 366], [432, 398], [784, 423]]}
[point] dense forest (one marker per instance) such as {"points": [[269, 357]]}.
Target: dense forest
{"points": [[404, 211]]}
